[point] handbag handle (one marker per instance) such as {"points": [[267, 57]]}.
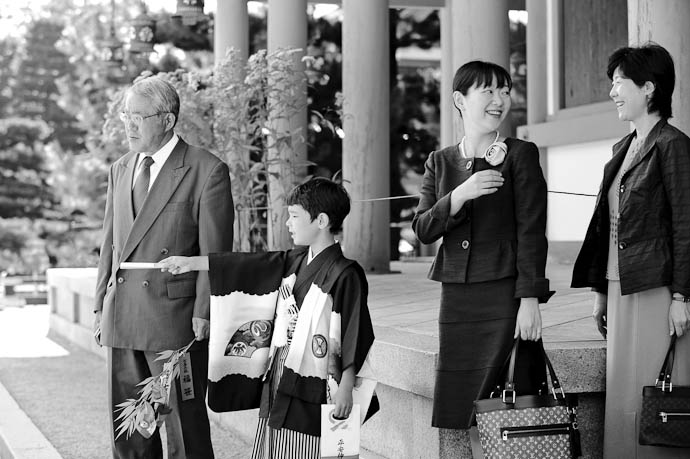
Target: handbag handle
{"points": [[663, 382], [509, 386]]}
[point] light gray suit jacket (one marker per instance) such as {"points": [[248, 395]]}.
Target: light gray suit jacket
{"points": [[188, 211]]}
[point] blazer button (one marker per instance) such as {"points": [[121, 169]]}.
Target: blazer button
{"points": [[465, 244], [468, 166], [120, 280], [623, 245], [164, 251], [622, 188], [145, 284]]}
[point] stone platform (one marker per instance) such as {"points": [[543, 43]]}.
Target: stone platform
{"points": [[404, 307]]}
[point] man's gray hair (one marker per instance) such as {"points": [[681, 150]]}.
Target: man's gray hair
{"points": [[162, 95]]}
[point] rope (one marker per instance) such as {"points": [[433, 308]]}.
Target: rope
{"points": [[240, 207], [574, 194]]}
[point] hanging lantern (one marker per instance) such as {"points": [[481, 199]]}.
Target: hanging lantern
{"points": [[112, 52], [191, 11], [143, 32]]}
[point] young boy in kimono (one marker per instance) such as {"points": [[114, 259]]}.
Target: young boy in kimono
{"points": [[322, 328]]}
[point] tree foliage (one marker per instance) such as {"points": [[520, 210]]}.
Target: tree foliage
{"points": [[24, 191], [227, 112], [34, 90]]}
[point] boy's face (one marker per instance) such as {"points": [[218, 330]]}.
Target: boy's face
{"points": [[303, 229]]}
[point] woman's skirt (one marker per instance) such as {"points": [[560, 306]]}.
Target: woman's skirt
{"points": [[637, 341], [476, 328], [270, 443]]}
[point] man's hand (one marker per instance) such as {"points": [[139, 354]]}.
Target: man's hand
{"points": [[97, 327], [201, 328], [528, 323], [599, 312]]}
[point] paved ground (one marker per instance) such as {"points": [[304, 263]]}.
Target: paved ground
{"points": [[408, 301], [62, 387]]}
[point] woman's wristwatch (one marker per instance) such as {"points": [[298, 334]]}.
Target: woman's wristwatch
{"points": [[681, 298]]}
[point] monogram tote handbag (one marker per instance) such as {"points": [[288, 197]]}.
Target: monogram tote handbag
{"points": [[513, 426]]}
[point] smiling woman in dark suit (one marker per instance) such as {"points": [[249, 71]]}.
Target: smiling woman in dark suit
{"points": [[636, 254], [486, 198]]}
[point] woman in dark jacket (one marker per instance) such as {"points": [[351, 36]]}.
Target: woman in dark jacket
{"points": [[636, 254], [486, 198]]}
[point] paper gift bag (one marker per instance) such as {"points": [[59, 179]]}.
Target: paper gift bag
{"points": [[361, 394], [339, 437]]}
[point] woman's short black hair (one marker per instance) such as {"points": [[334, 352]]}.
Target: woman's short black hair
{"points": [[482, 74], [322, 195], [649, 62]]}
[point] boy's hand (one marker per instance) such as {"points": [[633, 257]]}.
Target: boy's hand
{"points": [[180, 265], [343, 396], [343, 403]]}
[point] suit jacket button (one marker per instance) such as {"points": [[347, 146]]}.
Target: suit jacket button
{"points": [[120, 280], [622, 188], [164, 251], [465, 244], [468, 166], [145, 283], [623, 245]]}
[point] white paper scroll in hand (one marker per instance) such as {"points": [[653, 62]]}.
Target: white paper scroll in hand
{"points": [[139, 265]]}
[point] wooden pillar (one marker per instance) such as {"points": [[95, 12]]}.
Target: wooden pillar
{"points": [[480, 30], [231, 29], [536, 61], [366, 146], [287, 29], [449, 113], [666, 22], [537, 74]]}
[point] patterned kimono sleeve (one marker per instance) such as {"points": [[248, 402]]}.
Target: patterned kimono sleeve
{"points": [[244, 291], [253, 273]]}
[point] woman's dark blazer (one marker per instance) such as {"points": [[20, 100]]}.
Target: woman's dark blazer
{"points": [[654, 219], [495, 236]]}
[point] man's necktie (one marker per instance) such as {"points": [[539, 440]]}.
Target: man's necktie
{"points": [[141, 186]]}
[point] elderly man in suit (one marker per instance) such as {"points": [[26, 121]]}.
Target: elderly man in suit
{"points": [[165, 197]]}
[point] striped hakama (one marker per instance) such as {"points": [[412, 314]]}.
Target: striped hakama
{"points": [[271, 443]]}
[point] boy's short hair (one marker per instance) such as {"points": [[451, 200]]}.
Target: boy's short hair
{"points": [[322, 195]]}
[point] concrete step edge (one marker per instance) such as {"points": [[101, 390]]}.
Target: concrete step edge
{"points": [[19, 436]]}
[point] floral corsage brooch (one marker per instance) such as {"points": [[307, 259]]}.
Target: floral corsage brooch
{"points": [[496, 153]]}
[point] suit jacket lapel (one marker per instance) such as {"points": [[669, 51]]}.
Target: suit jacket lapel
{"points": [[126, 210], [169, 178], [646, 147], [612, 167]]}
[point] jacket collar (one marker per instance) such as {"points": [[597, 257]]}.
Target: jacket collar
{"points": [[169, 178], [621, 148]]}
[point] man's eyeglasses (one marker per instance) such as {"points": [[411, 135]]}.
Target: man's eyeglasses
{"points": [[136, 118]]}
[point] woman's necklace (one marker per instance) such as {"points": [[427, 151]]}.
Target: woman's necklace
{"points": [[462, 145]]}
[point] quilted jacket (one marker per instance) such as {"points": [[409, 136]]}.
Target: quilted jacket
{"points": [[654, 222]]}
